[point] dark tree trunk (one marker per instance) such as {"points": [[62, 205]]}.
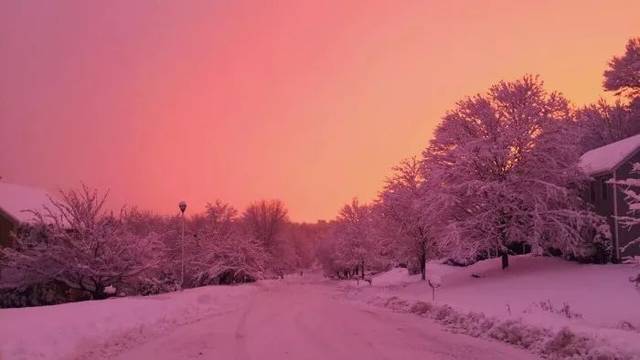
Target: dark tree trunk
{"points": [[505, 260], [362, 269], [422, 255], [503, 251], [99, 293], [423, 264]]}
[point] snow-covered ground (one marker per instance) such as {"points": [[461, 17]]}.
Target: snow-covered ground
{"points": [[97, 329], [547, 292], [296, 318], [309, 318]]}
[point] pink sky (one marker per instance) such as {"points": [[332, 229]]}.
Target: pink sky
{"points": [[309, 102]]}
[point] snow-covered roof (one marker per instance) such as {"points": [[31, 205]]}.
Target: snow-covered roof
{"points": [[607, 158], [17, 200]]}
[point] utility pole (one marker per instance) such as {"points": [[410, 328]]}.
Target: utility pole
{"points": [[183, 206]]}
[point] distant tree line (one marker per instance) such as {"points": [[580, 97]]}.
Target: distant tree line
{"points": [[77, 250]]}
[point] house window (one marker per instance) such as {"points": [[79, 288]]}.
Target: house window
{"points": [[604, 189], [593, 192]]}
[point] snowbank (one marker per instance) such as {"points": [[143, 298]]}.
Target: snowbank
{"points": [[563, 343], [550, 293], [74, 329]]}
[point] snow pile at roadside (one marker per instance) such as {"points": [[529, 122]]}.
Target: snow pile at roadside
{"points": [[563, 343], [594, 301], [75, 329]]}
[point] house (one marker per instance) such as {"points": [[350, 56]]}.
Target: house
{"points": [[605, 165], [16, 201]]}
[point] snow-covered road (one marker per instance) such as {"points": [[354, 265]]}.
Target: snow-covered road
{"points": [[310, 320]]}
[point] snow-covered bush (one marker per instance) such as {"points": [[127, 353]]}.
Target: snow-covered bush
{"points": [[50, 293], [156, 282], [421, 308], [566, 344], [564, 310], [549, 343], [76, 243], [516, 333]]}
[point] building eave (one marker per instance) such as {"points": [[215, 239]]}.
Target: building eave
{"points": [[11, 218], [613, 168]]}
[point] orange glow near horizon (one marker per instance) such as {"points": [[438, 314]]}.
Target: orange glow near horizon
{"points": [[309, 102]]}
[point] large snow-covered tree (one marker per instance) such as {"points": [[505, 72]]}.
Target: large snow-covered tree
{"points": [[356, 244], [265, 221], [504, 165], [604, 123], [222, 251], [306, 239], [623, 74], [403, 216], [77, 243]]}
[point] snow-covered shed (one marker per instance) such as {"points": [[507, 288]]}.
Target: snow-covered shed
{"points": [[613, 162], [16, 201]]}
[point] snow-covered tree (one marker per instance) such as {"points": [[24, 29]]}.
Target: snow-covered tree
{"points": [[75, 242], [602, 123], [631, 190], [623, 74], [221, 249], [356, 244], [265, 221], [306, 239], [504, 168], [404, 220], [142, 222], [326, 253], [298, 241]]}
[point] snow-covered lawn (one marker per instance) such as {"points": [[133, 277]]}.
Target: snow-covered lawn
{"points": [[74, 329], [547, 292]]}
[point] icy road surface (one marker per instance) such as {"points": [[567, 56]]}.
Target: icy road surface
{"points": [[309, 320]]}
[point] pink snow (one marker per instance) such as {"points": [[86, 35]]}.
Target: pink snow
{"points": [[605, 158], [602, 295], [60, 331], [296, 318]]}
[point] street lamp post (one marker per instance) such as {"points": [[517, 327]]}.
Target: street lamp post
{"points": [[183, 206]]}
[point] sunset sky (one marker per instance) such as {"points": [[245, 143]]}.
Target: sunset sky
{"points": [[311, 102]]}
